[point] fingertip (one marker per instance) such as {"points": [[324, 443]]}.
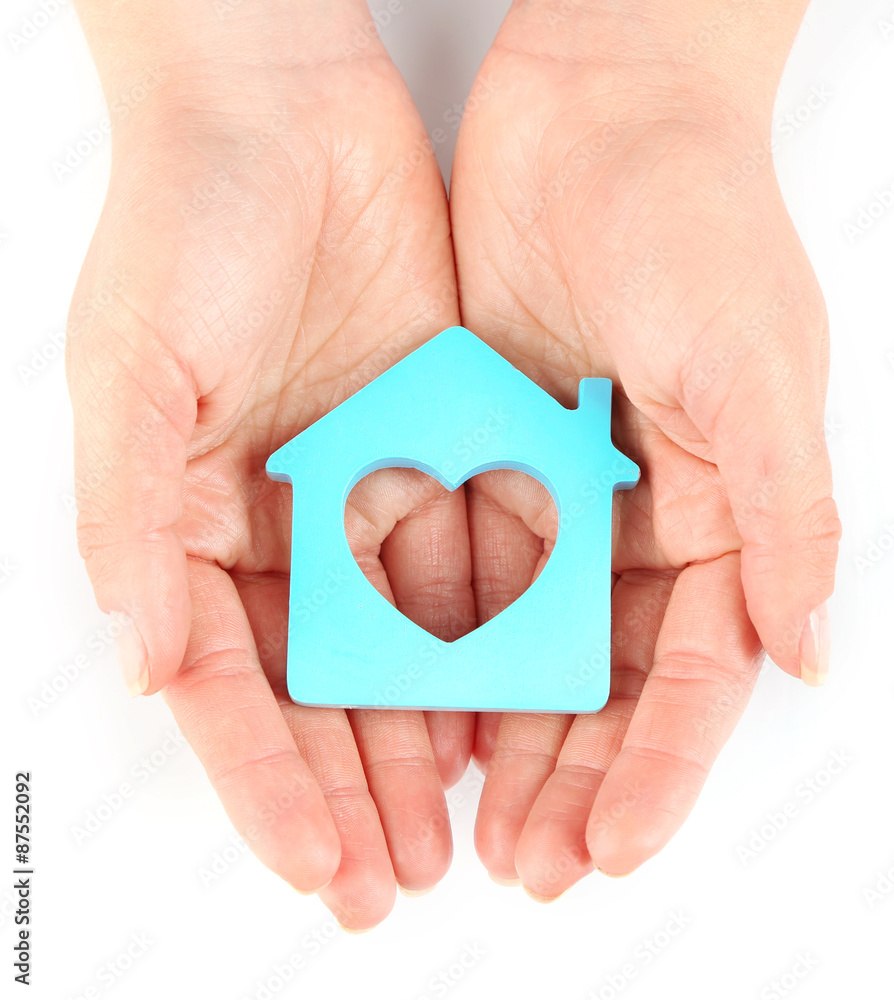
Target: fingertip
{"points": [[451, 735], [359, 904], [539, 898], [620, 838], [302, 849], [495, 842], [554, 872], [618, 857], [506, 882], [787, 578], [414, 893], [312, 892], [150, 612], [616, 874]]}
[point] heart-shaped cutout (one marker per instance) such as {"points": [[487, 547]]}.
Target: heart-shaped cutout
{"points": [[450, 560]]}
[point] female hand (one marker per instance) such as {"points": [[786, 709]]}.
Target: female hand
{"points": [[261, 255], [611, 218]]}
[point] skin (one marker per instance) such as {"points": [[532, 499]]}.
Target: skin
{"points": [[223, 206], [600, 230], [274, 236]]}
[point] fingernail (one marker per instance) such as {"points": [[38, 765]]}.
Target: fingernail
{"points": [[813, 648], [612, 874], [354, 930], [131, 653], [415, 892], [505, 881], [313, 892], [540, 899]]}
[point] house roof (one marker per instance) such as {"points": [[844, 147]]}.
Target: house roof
{"points": [[454, 389]]}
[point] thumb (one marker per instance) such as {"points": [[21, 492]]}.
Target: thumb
{"points": [[764, 421], [134, 410]]}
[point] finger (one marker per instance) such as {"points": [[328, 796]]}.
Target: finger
{"points": [[764, 421], [487, 725], [362, 890], [229, 714], [524, 757], [452, 736], [428, 563], [705, 667], [134, 412], [552, 851], [507, 554], [403, 780], [430, 570], [512, 525], [678, 512], [409, 534]]}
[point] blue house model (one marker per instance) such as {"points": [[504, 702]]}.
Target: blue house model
{"points": [[454, 408]]}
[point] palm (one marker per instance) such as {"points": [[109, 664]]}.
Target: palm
{"points": [[591, 241], [276, 267]]}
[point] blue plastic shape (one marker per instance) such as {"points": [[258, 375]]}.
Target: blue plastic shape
{"points": [[454, 408]]}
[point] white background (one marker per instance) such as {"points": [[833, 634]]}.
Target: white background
{"points": [[747, 919]]}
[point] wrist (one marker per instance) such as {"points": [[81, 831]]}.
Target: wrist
{"points": [[722, 53], [178, 51]]}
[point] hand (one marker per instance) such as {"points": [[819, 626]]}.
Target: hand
{"points": [[608, 222], [259, 258]]}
